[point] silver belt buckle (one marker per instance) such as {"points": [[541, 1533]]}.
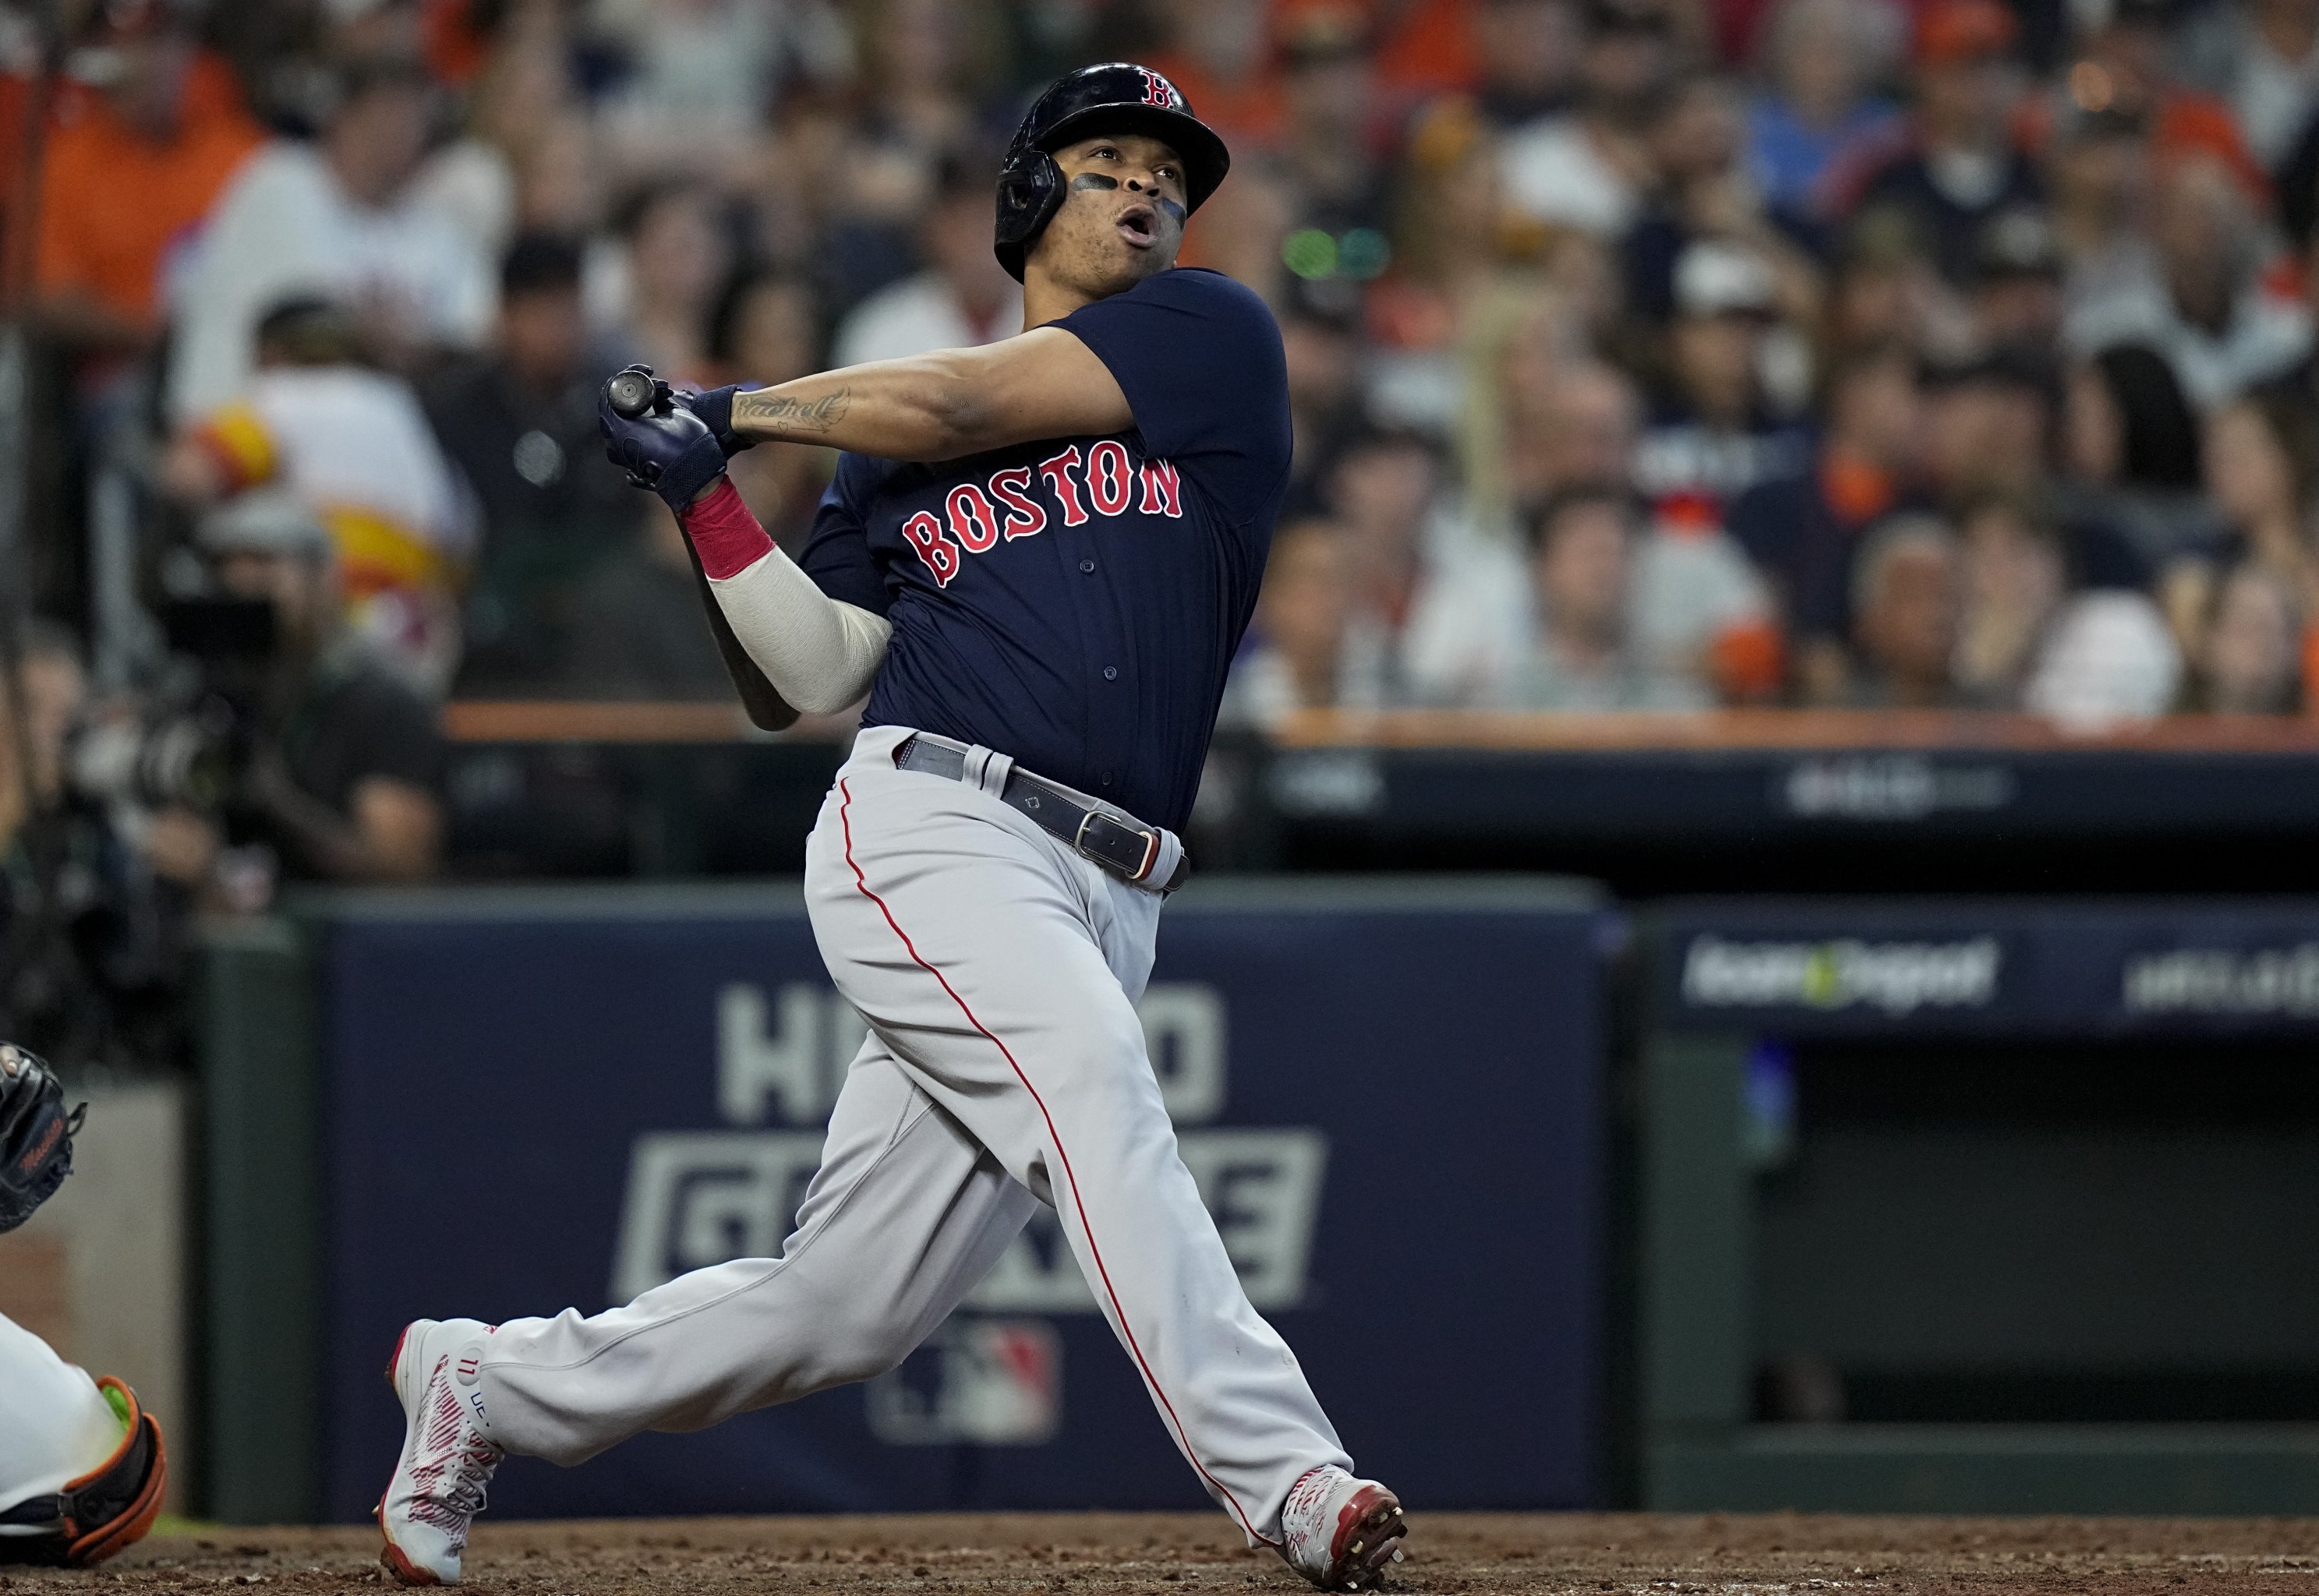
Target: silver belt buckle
{"points": [[1150, 843]]}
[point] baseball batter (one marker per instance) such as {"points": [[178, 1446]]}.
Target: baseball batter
{"points": [[1037, 558]]}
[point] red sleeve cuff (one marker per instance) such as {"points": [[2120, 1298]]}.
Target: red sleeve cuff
{"points": [[724, 532]]}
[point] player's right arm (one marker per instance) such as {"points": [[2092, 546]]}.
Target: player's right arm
{"points": [[819, 652], [801, 648], [1038, 384]]}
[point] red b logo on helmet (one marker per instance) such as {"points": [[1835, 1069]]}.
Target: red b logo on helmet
{"points": [[1156, 90]]}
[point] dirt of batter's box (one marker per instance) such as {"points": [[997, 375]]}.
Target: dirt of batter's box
{"points": [[1088, 1554]]}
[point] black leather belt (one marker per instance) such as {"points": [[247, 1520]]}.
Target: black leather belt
{"points": [[1115, 840]]}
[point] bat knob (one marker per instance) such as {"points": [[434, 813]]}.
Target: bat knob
{"points": [[632, 394]]}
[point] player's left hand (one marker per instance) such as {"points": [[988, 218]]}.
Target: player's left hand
{"points": [[715, 406], [668, 449]]}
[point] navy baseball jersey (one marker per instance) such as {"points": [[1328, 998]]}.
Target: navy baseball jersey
{"points": [[1076, 602]]}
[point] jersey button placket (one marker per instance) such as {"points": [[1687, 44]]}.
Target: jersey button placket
{"points": [[1111, 673]]}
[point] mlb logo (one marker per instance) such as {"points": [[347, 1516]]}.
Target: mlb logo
{"points": [[991, 1382]]}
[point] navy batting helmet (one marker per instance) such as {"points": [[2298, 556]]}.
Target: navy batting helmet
{"points": [[1117, 97]]}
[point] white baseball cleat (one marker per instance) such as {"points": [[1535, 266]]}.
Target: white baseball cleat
{"points": [[1341, 1532], [438, 1488]]}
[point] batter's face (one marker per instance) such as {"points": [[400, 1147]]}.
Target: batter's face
{"points": [[1122, 219]]}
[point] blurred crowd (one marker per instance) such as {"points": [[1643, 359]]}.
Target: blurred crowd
{"points": [[1645, 354], [1669, 354]]}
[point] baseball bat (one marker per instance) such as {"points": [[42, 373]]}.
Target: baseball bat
{"points": [[631, 394]]}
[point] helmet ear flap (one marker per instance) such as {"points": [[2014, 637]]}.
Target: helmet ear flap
{"points": [[1030, 189]]}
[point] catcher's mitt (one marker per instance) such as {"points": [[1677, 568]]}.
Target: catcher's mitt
{"points": [[36, 1132]]}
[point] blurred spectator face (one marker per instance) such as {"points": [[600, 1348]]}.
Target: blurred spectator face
{"points": [[2248, 470], [1714, 363], [1869, 303], [1984, 434], [1449, 200], [544, 334], [2018, 295], [376, 140], [2099, 172], [774, 336], [1699, 134], [302, 590], [678, 253], [559, 185], [2131, 53], [1305, 601], [1818, 59], [2248, 663], [1321, 357], [1329, 94], [2093, 430], [1877, 412], [1528, 50], [1907, 611], [1724, 297], [55, 693], [148, 62], [2203, 229], [1966, 81], [1226, 36], [1582, 269], [1240, 229], [1580, 572], [1965, 103], [2011, 567], [2025, 428], [918, 47], [1587, 433], [1381, 490], [1629, 52], [956, 239], [2021, 311]]}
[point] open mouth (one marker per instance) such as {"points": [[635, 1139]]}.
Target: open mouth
{"points": [[1140, 226]]}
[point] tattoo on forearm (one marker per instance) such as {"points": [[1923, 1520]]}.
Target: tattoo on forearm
{"points": [[783, 413]]}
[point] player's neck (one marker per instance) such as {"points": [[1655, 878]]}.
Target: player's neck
{"points": [[1047, 297], [1044, 300]]}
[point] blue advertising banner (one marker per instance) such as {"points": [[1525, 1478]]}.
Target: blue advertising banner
{"points": [[1390, 1096], [1882, 966]]}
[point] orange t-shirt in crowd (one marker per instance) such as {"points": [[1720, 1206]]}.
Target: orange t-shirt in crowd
{"points": [[1428, 48], [113, 203]]}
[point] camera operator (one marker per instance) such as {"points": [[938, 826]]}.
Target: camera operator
{"points": [[341, 760], [93, 913]]}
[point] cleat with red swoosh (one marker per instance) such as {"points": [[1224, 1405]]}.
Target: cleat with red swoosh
{"points": [[1339, 1532], [446, 1462]]}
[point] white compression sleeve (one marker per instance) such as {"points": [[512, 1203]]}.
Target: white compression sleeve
{"points": [[819, 652]]}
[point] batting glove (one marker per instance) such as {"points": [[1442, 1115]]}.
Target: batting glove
{"points": [[715, 406], [668, 449]]}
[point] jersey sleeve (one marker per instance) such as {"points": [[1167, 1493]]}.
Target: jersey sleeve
{"points": [[1198, 356], [837, 550]]}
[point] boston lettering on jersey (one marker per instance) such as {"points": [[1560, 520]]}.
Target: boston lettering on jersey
{"points": [[1076, 602], [977, 515]]}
